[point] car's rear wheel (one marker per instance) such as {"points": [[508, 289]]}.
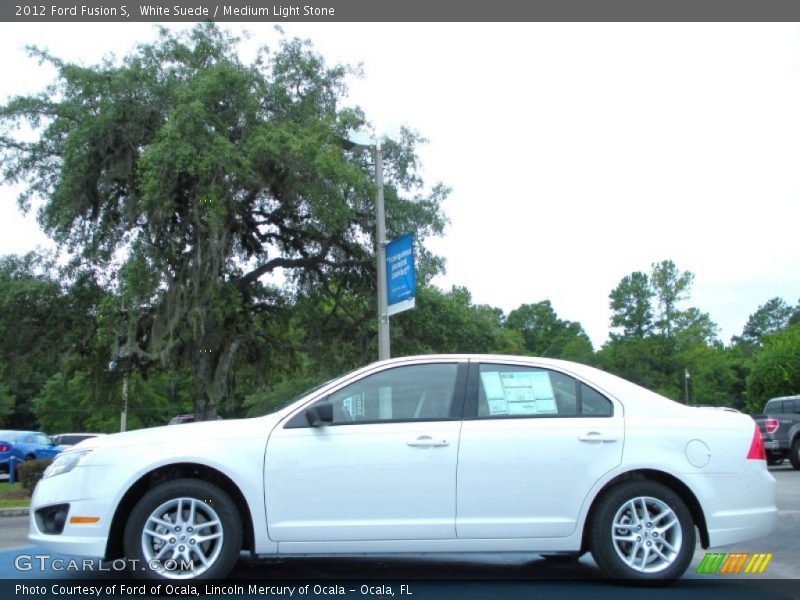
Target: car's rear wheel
{"points": [[794, 453], [184, 529], [642, 531]]}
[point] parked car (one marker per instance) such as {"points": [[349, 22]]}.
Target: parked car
{"points": [[780, 428], [5, 455], [550, 457], [70, 439], [27, 445], [179, 419]]}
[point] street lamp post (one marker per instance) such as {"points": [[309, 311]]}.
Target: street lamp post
{"points": [[384, 348], [360, 140], [686, 385]]}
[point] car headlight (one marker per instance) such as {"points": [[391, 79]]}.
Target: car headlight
{"points": [[64, 463]]}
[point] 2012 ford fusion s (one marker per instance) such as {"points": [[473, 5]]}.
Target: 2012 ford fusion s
{"points": [[421, 454]]}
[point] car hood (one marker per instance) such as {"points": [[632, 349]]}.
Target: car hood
{"points": [[234, 429]]}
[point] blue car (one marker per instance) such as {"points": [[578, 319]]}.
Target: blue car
{"points": [[25, 445]]}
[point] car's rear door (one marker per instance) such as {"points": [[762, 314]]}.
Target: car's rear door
{"points": [[385, 469], [533, 442]]}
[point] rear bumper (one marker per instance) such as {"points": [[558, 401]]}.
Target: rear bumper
{"points": [[776, 445], [738, 507]]}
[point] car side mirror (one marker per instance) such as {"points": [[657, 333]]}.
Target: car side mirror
{"points": [[320, 413]]}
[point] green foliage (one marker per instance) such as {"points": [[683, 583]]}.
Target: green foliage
{"points": [[715, 375], [775, 369], [7, 399], [669, 287], [544, 334], [770, 317], [631, 305], [30, 472], [35, 321], [449, 322], [80, 403], [660, 341], [207, 175]]}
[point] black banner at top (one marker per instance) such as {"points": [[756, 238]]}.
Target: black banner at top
{"points": [[398, 10]]}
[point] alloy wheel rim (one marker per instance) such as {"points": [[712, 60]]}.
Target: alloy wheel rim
{"points": [[646, 534], [182, 538]]}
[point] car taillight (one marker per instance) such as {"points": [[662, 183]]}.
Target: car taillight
{"points": [[772, 425], [756, 451], [4, 447]]}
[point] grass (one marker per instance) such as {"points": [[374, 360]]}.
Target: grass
{"points": [[12, 496]]}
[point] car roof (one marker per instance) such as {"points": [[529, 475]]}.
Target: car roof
{"points": [[8, 433]]}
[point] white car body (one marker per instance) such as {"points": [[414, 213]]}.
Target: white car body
{"points": [[520, 483]]}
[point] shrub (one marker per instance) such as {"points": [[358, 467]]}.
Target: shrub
{"points": [[30, 471]]}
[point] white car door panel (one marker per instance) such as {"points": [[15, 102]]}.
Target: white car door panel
{"points": [[385, 469], [527, 476]]}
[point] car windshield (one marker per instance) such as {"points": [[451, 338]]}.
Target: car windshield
{"points": [[281, 405], [295, 398]]}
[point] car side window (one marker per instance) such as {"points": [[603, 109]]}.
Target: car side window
{"points": [[513, 391], [409, 393]]}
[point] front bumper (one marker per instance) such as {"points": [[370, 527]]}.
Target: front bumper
{"points": [[79, 490]]}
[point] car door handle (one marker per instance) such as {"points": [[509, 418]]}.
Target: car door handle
{"points": [[426, 441], [596, 436]]}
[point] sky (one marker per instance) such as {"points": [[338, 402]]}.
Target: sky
{"points": [[577, 153]]}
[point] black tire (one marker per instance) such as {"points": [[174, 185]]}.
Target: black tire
{"points": [[625, 505], [774, 459], [794, 453], [221, 543]]}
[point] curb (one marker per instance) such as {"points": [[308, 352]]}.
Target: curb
{"points": [[21, 511]]}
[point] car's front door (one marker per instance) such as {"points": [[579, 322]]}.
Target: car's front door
{"points": [[533, 443], [384, 469]]}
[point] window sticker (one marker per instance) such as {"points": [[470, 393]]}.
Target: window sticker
{"points": [[519, 393]]}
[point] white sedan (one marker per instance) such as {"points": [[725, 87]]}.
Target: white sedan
{"points": [[450, 453]]}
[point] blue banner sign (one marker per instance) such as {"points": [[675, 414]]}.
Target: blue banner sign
{"points": [[401, 281]]}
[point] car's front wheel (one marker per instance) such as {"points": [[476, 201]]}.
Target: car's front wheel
{"points": [[184, 529], [643, 531]]}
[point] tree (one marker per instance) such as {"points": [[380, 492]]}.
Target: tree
{"points": [[669, 287], [449, 322], [775, 369], [770, 317], [631, 306], [660, 340], [545, 334], [205, 178], [34, 321], [7, 399]]}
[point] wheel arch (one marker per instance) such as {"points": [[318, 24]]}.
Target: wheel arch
{"points": [[153, 478], [670, 481]]}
